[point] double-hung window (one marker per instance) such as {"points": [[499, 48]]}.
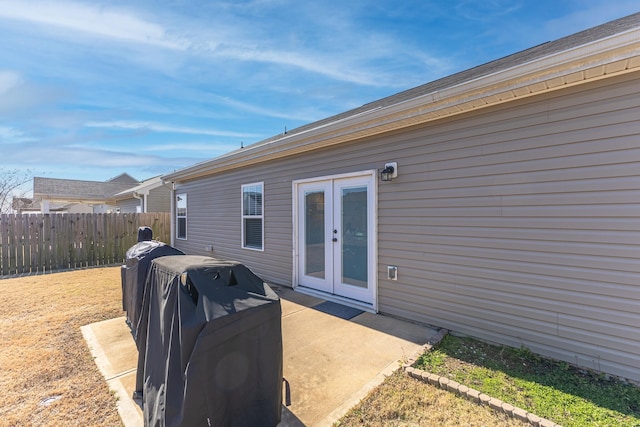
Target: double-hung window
{"points": [[253, 216], [181, 216]]}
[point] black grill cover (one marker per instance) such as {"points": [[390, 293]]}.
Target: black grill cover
{"points": [[214, 345], [134, 274]]}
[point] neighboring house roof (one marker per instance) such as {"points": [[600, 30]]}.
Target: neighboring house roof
{"points": [[25, 204], [77, 190], [607, 50], [124, 178]]}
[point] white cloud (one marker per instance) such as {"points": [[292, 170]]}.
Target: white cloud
{"points": [[588, 15], [75, 157], [90, 19], [199, 147], [158, 127], [8, 80], [19, 95], [303, 116], [486, 10], [12, 135], [334, 67], [9, 133], [336, 56]]}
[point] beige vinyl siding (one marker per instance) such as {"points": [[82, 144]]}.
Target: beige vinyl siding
{"points": [[128, 205], [519, 224], [215, 219], [159, 199], [522, 226]]}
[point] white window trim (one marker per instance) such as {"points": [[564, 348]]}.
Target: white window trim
{"points": [[243, 216], [178, 217]]}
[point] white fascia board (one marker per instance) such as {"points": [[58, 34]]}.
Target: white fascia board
{"points": [[73, 200], [601, 52], [143, 188]]}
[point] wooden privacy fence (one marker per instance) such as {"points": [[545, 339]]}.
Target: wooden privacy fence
{"points": [[39, 243]]}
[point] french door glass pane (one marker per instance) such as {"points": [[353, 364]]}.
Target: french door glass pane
{"points": [[314, 215], [354, 250]]}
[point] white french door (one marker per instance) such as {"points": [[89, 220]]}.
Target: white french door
{"points": [[336, 224]]}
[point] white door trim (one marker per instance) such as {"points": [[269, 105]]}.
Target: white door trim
{"points": [[373, 250]]}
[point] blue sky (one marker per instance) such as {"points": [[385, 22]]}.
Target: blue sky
{"points": [[91, 89]]}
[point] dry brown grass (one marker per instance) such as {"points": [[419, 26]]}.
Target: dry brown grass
{"points": [[44, 355], [405, 401]]}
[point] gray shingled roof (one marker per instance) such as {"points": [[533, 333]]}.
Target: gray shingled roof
{"points": [[446, 96], [72, 189], [519, 58], [124, 178]]}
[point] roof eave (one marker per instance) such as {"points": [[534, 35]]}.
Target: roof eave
{"points": [[72, 199], [613, 55]]}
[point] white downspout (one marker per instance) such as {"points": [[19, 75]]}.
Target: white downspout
{"points": [[141, 198]]}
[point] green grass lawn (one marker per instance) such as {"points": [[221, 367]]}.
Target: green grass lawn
{"points": [[547, 388]]}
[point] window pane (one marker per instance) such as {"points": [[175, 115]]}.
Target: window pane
{"points": [[253, 233], [181, 216], [252, 222], [181, 204], [252, 200], [182, 228]]}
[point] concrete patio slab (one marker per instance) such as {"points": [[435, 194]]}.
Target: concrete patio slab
{"points": [[116, 356], [330, 364]]}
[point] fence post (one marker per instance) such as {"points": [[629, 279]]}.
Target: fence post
{"points": [[96, 240], [54, 241], [25, 263], [12, 244], [4, 244], [26, 243], [65, 248], [83, 255], [39, 241], [19, 246]]}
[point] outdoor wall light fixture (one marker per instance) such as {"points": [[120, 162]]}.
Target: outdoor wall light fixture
{"points": [[389, 172]]}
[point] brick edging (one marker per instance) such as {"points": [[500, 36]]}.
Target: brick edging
{"points": [[474, 395]]}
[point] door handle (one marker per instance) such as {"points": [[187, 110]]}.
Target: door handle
{"points": [[335, 239]]}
